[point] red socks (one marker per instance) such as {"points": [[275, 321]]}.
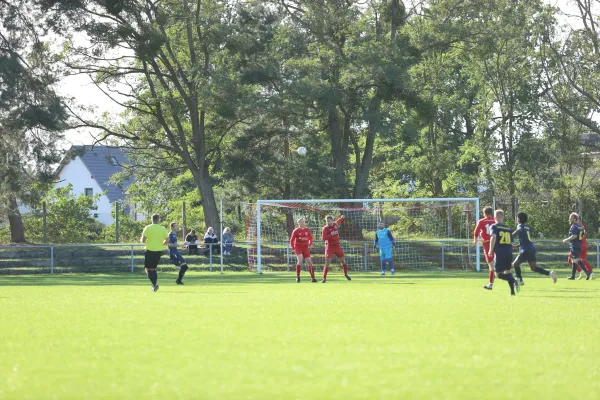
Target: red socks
{"points": [[492, 276], [311, 270], [325, 271], [345, 267], [298, 268]]}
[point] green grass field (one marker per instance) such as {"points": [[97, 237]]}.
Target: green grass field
{"points": [[243, 336]]}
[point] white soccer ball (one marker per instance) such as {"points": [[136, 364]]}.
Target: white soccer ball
{"points": [[302, 151]]}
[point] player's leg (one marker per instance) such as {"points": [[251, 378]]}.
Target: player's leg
{"points": [[588, 266], [311, 267], [300, 258], [340, 254], [151, 259], [383, 260], [577, 261], [490, 263], [521, 257], [328, 257], [183, 267], [390, 260], [503, 272]]}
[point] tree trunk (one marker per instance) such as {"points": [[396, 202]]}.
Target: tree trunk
{"points": [[207, 196], [337, 152], [362, 174], [17, 230]]}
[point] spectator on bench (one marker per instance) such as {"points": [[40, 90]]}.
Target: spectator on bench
{"points": [[227, 240], [211, 238], [192, 242]]}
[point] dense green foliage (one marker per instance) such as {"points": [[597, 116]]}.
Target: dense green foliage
{"points": [[440, 98], [412, 336]]}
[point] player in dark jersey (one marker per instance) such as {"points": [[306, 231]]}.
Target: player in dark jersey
{"points": [[501, 247], [527, 251], [575, 239], [175, 254]]}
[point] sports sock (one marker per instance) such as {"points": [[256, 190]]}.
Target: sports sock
{"points": [[298, 268], [325, 271], [492, 276], [391, 265], [583, 268], [382, 265], [183, 268], [311, 270], [573, 269], [345, 267], [510, 279], [153, 276], [518, 271], [541, 270], [587, 265]]}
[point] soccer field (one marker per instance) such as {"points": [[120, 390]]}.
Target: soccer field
{"points": [[244, 336]]}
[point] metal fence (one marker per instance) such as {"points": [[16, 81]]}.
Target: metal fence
{"points": [[421, 255]]}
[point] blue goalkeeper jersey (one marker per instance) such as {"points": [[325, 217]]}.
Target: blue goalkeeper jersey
{"points": [[384, 238]]}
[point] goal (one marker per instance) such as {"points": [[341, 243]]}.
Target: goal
{"points": [[430, 234]]}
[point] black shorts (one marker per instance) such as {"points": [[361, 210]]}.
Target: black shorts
{"points": [[503, 262], [152, 258], [527, 254]]}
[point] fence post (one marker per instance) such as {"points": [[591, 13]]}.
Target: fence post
{"points": [[183, 219], [210, 246], [597, 253], [117, 207], [366, 257], [443, 255], [132, 259], [51, 259], [45, 225]]}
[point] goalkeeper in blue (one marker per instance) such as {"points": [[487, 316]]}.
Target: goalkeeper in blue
{"points": [[384, 240]]}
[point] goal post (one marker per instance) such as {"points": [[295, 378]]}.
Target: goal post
{"points": [[430, 233]]}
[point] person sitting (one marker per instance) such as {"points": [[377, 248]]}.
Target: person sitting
{"points": [[192, 242], [210, 238], [227, 241]]}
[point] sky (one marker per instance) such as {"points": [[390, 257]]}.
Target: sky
{"points": [[84, 92]]}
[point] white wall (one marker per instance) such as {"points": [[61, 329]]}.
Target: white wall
{"points": [[77, 174]]}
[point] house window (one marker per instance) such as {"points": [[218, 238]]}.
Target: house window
{"points": [[89, 192]]}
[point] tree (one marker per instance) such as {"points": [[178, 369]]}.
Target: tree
{"points": [[170, 65], [31, 114]]}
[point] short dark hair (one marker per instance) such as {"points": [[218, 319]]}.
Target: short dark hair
{"points": [[173, 224], [156, 218], [522, 217], [488, 211], [328, 217]]}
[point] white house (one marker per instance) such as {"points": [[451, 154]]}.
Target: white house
{"points": [[88, 169]]}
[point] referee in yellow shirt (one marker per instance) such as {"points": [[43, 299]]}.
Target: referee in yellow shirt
{"points": [[155, 237]]}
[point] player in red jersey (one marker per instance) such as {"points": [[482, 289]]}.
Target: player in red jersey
{"points": [[483, 231], [582, 252], [331, 236], [301, 241]]}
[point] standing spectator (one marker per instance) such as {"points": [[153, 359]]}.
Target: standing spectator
{"points": [[192, 242], [210, 238], [227, 240]]}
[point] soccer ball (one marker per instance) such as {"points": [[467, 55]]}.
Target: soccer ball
{"points": [[302, 151]]}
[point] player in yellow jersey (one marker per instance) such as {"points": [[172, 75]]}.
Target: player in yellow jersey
{"points": [[155, 237]]}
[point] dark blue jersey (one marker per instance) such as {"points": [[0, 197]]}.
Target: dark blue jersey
{"points": [[576, 230], [172, 239], [503, 236], [524, 236]]}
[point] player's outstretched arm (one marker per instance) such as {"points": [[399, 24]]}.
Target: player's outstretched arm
{"points": [[340, 220]]}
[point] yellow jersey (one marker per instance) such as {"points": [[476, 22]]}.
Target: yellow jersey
{"points": [[155, 234]]}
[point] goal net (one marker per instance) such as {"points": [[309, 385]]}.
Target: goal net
{"points": [[430, 234]]}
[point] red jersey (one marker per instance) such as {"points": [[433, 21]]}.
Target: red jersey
{"points": [[301, 238], [331, 235], [483, 229], [584, 245]]}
